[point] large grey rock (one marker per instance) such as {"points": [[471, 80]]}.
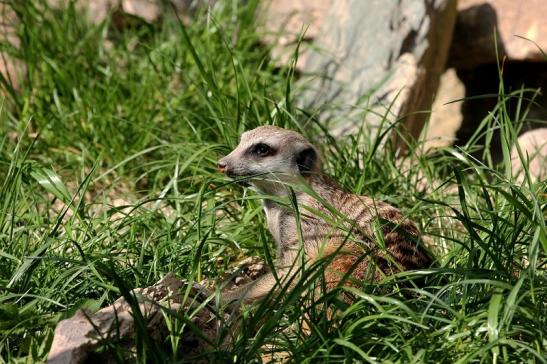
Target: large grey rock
{"points": [[393, 50]]}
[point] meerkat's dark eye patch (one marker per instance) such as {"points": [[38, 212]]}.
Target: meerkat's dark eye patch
{"points": [[261, 150]]}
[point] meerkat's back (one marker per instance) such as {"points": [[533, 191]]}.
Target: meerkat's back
{"points": [[371, 230]]}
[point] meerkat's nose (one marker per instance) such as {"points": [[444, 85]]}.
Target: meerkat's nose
{"points": [[221, 166]]}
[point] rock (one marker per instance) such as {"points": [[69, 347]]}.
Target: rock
{"points": [[394, 51], [533, 146], [283, 21], [97, 10], [446, 112], [477, 21], [75, 338], [148, 10], [11, 68]]}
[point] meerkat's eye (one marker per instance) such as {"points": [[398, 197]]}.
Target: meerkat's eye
{"points": [[262, 150]]}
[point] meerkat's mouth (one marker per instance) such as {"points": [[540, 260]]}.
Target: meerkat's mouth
{"points": [[239, 179], [247, 179], [243, 182]]}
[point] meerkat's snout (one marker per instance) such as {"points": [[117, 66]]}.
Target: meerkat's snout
{"points": [[230, 167], [221, 166]]}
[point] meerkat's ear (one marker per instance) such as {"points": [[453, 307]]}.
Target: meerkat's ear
{"points": [[306, 160]]}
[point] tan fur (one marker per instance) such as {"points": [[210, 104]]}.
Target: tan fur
{"points": [[332, 221]]}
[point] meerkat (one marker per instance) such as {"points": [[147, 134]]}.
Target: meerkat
{"points": [[278, 162]]}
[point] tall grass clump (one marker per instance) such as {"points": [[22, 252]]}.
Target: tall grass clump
{"points": [[107, 182]]}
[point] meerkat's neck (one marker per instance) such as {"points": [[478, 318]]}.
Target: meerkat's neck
{"points": [[319, 183]]}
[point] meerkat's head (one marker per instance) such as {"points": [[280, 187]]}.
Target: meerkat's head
{"points": [[269, 155]]}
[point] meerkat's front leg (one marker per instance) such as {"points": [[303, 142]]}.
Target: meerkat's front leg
{"points": [[252, 291], [263, 285]]}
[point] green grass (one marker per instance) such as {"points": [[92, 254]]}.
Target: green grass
{"points": [[108, 181]]}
